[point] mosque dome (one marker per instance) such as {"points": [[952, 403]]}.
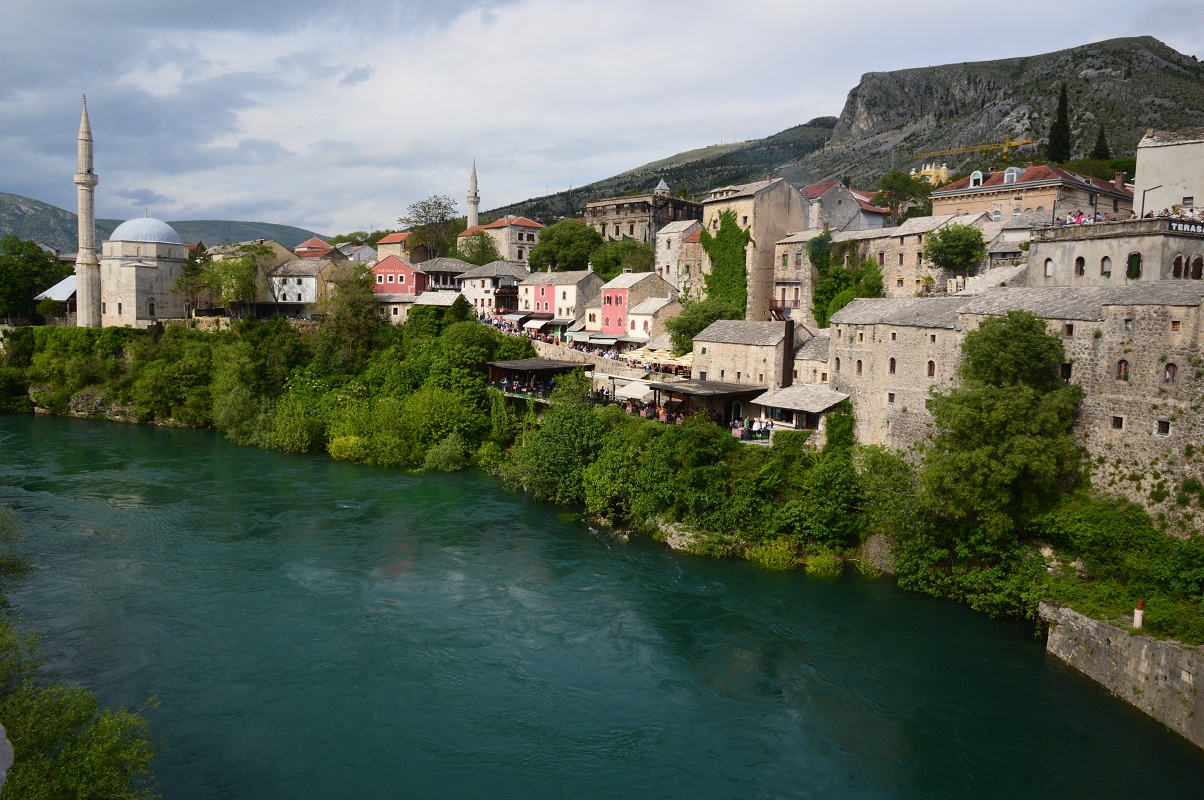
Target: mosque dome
{"points": [[145, 229]]}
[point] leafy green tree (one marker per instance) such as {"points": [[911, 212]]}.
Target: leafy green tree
{"points": [[1101, 151], [479, 249], [25, 270], [695, 316], [900, 190], [1059, 146], [613, 258], [194, 277], [234, 279], [49, 308], [351, 323], [551, 463], [355, 237], [433, 221], [727, 250], [955, 247], [564, 247], [837, 285]]}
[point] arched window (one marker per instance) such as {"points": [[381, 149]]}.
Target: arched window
{"points": [[564, 295], [1016, 211], [1177, 268], [1049, 267], [891, 367], [1134, 271], [619, 322], [1170, 375], [931, 369], [150, 306], [1197, 268], [1105, 267], [1080, 266], [606, 321], [975, 179], [838, 364], [859, 366], [1122, 370], [1011, 174], [633, 324]]}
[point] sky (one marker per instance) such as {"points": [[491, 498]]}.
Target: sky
{"points": [[335, 116]]}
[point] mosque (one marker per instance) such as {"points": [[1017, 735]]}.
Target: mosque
{"points": [[133, 282]]}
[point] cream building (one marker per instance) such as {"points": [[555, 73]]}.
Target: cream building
{"points": [[139, 266], [1170, 171], [1117, 253]]}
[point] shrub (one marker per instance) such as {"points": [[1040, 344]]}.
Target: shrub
{"points": [[449, 455], [825, 565], [775, 554]]}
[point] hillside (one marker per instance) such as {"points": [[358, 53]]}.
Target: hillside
{"points": [[695, 171], [1128, 84], [33, 219]]}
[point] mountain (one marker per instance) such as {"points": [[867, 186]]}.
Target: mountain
{"points": [[1127, 85], [695, 171], [33, 219]]}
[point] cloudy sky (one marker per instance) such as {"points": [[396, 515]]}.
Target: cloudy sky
{"points": [[336, 115]]}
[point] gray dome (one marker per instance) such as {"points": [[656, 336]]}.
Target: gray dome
{"points": [[145, 229]]}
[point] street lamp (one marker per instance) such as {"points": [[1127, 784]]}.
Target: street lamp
{"points": [[1143, 194]]}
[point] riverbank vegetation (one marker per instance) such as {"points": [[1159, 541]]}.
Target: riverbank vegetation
{"points": [[996, 512], [65, 745]]}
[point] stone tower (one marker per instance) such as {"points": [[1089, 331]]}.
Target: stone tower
{"points": [[474, 199], [87, 269]]}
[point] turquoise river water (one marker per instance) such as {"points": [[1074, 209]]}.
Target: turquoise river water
{"points": [[314, 629]]}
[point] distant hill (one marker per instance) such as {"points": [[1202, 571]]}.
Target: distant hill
{"points": [[1128, 85], [695, 171], [33, 219]]}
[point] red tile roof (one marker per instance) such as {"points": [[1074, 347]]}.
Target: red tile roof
{"points": [[395, 238], [696, 236], [520, 221], [816, 190], [1040, 174], [312, 243], [475, 229], [393, 262]]}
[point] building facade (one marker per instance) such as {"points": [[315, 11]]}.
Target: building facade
{"points": [[639, 218], [1044, 189], [1117, 253], [1170, 171]]}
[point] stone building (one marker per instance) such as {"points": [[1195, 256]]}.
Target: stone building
{"points": [[1117, 253], [402, 246], [834, 206], [769, 210], [1045, 189], [1170, 171], [512, 236], [1134, 349], [441, 273], [493, 288], [646, 319], [276, 255], [139, 266], [554, 301], [304, 282], [676, 262], [639, 218]]}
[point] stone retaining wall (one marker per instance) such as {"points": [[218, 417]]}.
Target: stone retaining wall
{"points": [[1158, 677]]}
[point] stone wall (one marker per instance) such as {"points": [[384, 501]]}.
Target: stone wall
{"points": [[1098, 254], [1154, 676], [726, 362]]}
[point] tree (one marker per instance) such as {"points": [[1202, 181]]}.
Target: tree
{"points": [[1101, 151], [956, 248], [1059, 132], [839, 284], [193, 280], [479, 249], [728, 280], [25, 270], [552, 462], [433, 221], [900, 190], [695, 317], [351, 324], [49, 308], [565, 246], [613, 258]]}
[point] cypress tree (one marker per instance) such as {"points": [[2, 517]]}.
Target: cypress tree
{"points": [[1101, 150], [1059, 132]]}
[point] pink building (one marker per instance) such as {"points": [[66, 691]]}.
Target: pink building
{"points": [[392, 275]]}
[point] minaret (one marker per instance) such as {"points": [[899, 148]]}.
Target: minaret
{"points": [[474, 199], [87, 270]]}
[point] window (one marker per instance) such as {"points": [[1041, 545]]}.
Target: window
{"points": [[798, 259], [1066, 372], [1177, 268], [1049, 267], [899, 283], [890, 397], [882, 259], [721, 373], [119, 309], [401, 278], [932, 338], [619, 322], [860, 336], [150, 306], [1118, 423], [975, 179], [1011, 174], [520, 254], [919, 259], [1164, 427], [616, 230], [564, 295], [702, 376], [1176, 325], [703, 351], [619, 300], [608, 300], [1134, 271], [785, 259], [395, 311], [298, 281], [1170, 375], [1080, 266], [606, 321], [737, 376], [1197, 268], [391, 279], [594, 318], [859, 366], [890, 366], [893, 336], [823, 377], [631, 230], [1128, 323], [744, 220], [1122, 370], [1068, 330], [1189, 201], [1105, 267], [760, 377], [380, 278], [900, 259], [104, 308], [838, 364], [931, 369], [633, 324]]}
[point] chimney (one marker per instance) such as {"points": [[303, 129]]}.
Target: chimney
{"points": [[788, 355], [1119, 181]]}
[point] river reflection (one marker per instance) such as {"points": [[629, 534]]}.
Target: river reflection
{"points": [[323, 630]]}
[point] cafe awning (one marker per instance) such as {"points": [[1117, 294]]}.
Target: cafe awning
{"points": [[535, 324], [636, 390], [515, 317]]}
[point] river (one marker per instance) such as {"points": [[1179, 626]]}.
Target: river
{"points": [[315, 629]]}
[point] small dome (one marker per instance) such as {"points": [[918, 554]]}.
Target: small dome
{"points": [[145, 229]]}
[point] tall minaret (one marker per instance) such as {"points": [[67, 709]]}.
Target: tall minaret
{"points": [[474, 199], [87, 269]]}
